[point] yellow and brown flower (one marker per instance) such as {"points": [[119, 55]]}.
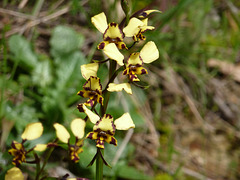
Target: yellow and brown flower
{"points": [[19, 153], [31, 132], [111, 32], [92, 89], [134, 67], [104, 128]]}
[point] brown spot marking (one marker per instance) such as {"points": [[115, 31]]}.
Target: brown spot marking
{"points": [[101, 45]]}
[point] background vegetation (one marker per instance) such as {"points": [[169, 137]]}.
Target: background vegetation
{"points": [[187, 121]]}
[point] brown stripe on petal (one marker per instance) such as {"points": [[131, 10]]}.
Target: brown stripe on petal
{"points": [[52, 144], [135, 38], [86, 82], [80, 107], [80, 93], [89, 102], [114, 129], [144, 14], [133, 77], [90, 135], [100, 100], [113, 141], [108, 116], [125, 72], [101, 45], [100, 143], [143, 71], [113, 24]]}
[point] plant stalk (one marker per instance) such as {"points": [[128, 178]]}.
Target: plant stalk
{"points": [[99, 164]]}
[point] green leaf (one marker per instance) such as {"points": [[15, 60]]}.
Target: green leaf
{"points": [[42, 74], [21, 114], [64, 41], [22, 52], [54, 107], [69, 70], [128, 172]]}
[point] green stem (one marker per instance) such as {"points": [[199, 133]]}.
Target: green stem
{"points": [[45, 162], [99, 164], [4, 71], [112, 75], [37, 160]]}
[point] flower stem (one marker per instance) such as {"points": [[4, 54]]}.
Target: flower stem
{"points": [[50, 150], [99, 164]]}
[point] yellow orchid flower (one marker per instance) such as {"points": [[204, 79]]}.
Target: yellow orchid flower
{"points": [[111, 32], [31, 132], [148, 54], [104, 128], [136, 28], [19, 153], [77, 127], [92, 90]]}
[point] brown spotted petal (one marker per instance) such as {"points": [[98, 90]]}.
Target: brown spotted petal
{"points": [[18, 152], [75, 150], [92, 90]]}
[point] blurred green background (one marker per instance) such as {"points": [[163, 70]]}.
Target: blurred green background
{"points": [[187, 121]]}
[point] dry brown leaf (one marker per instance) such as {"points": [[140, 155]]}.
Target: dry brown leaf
{"points": [[226, 68]]}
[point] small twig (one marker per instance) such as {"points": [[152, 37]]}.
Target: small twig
{"points": [[185, 170], [38, 21], [122, 147], [22, 4], [18, 14]]}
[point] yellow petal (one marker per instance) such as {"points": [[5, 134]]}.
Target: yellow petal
{"points": [[100, 22], [145, 21], [112, 52], [133, 27], [61, 132], [14, 174], [78, 127], [95, 84], [125, 122], [145, 28], [149, 52], [33, 131], [147, 12], [92, 116], [113, 32], [119, 87], [134, 59], [89, 70], [40, 147], [105, 124]]}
